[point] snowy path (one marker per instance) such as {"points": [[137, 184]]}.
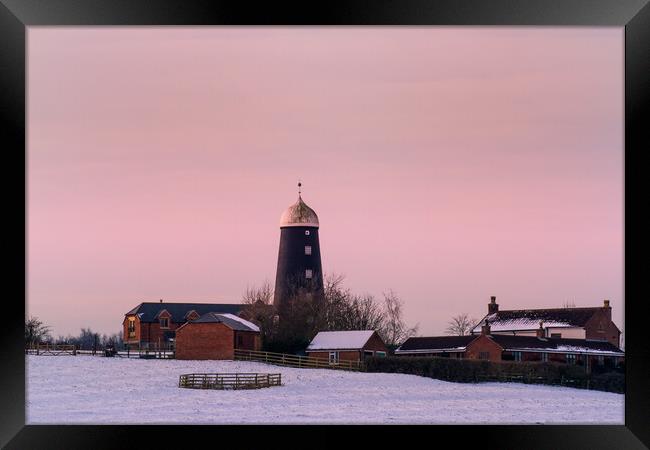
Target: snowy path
{"points": [[96, 390]]}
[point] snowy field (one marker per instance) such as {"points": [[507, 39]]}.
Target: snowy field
{"points": [[97, 390]]}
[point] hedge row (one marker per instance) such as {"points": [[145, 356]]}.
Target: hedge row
{"points": [[472, 371]]}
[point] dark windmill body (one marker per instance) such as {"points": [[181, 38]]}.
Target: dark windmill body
{"points": [[299, 270]]}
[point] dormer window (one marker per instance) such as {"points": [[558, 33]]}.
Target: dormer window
{"points": [[164, 322]]}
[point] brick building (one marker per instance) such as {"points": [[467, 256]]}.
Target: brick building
{"points": [[503, 347], [593, 323], [346, 345], [154, 324], [216, 336]]}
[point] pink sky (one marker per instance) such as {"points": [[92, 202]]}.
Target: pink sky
{"points": [[448, 164]]}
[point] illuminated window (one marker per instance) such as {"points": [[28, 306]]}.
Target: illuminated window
{"points": [[307, 249], [308, 273], [517, 356], [131, 326]]}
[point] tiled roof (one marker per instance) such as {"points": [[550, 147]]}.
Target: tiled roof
{"points": [[234, 322], [148, 311], [340, 340], [528, 319], [447, 343]]}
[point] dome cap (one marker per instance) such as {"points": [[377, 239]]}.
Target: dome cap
{"points": [[299, 215]]}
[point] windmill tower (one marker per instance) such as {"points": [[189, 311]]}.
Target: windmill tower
{"points": [[299, 266]]}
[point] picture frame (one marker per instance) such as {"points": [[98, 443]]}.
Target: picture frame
{"points": [[633, 15]]}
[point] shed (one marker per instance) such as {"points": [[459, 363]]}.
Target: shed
{"points": [[346, 345], [216, 336]]}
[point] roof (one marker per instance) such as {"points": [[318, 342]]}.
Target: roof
{"points": [[435, 344], [438, 344], [528, 319], [340, 340], [559, 345], [148, 311], [234, 322], [299, 215]]}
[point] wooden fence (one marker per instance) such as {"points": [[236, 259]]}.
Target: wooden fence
{"points": [[282, 359], [51, 349], [229, 380]]}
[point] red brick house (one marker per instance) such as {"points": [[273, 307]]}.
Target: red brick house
{"points": [[346, 345], [153, 324], [593, 323], [215, 336], [503, 347]]}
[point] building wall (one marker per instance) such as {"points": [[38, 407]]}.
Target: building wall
{"points": [[205, 341], [345, 355], [601, 327], [483, 344], [293, 262], [250, 340], [567, 333], [375, 344]]}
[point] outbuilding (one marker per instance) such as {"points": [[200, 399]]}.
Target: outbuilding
{"points": [[346, 345], [216, 336]]}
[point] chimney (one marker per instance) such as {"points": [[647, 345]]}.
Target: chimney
{"points": [[485, 329], [607, 308], [161, 300], [493, 306], [540, 330]]}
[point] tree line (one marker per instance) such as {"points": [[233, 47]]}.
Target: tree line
{"points": [[302, 317], [37, 332]]}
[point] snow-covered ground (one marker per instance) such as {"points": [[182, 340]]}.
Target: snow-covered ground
{"points": [[97, 390]]}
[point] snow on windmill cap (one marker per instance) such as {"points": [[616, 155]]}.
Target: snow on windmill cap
{"points": [[299, 215]]}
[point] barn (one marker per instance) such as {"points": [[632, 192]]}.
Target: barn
{"points": [[346, 345], [216, 336]]}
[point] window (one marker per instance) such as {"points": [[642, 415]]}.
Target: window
{"points": [[544, 357], [570, 359], [308, 273], [240, 341], [306, 232], [164, 322], [334, 357], [307, 249], [380, 354], [516, 356], [601, 360], [484, 355], [131, 326], [367, 353]]}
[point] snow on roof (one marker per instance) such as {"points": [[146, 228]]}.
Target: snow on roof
{"points": [[339, 340], [519, 323], [239, 319]]}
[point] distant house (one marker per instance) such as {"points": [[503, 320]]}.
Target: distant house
{"points": [[503, 347], [593, 323], [152, 324], [215, 336], [346, 345]]}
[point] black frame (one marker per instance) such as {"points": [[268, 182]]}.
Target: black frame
{"points": [[634, 15]]}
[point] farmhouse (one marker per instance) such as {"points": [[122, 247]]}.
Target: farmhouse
{"points": [[216, 336], [346, 345], [504, 347], [152, 324], [594, 323]]}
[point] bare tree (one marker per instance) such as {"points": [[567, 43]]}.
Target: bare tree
{"points": [[394, 330], [36, 331], [569, 304], [460, 325], [260, 295]]}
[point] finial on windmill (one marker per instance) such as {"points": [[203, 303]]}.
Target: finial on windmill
{"points": [[299, 186]]}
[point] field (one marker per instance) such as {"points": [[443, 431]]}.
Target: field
{"points": [[97, 390]]}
